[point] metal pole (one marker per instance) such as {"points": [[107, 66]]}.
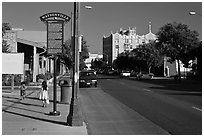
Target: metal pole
{"points": [[77, 48], [55, 112], [74, 118]]}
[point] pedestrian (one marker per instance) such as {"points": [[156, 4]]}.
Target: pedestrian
{"points": [[23, 90], [44, 94]]}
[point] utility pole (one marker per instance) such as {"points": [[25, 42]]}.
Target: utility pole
{"points": [[74, 118]]}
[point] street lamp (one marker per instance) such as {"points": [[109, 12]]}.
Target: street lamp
{"points": [[88, 7], [194, 13], [74, 118]]}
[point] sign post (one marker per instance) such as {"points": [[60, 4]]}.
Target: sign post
{"points": [[55, 34]]}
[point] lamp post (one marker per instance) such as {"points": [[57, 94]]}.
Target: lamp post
{"points": [[74, 118], [195, 13]]}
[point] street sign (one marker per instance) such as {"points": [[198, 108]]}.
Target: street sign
{"points": [[54, 36], [55, 31]]}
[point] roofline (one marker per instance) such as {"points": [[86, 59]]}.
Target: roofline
{"points": [[34, 44]]}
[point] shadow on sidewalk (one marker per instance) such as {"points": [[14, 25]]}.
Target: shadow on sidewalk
{"points": [[29, 110], [10, 97], [37, 118], [21, 109]]}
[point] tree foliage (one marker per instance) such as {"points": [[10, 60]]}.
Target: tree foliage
{"points": [[98, 64], [142, 58], [67, 57], [5, 46], [176, 41]]}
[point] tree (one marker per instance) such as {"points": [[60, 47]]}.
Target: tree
{"points": [[122, 61], [84, 54], [98, 64], [147, 55], [5, 46], [67, 56], [175, 40]]}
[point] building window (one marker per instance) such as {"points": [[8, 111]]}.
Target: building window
{"points": [[130, 46], [116, 41]]}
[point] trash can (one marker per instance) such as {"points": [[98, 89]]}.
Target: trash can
{"points": [[66, 90]]}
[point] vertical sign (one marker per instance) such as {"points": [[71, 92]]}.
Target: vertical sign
{"points": [[54, 36]]}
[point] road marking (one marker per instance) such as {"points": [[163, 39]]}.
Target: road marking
{"points": [[196, 108], [147, 90]]}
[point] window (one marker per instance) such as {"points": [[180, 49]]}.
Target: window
{"points": [[117, 41], [130, 46]]}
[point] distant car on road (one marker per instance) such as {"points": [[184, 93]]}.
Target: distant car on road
{"points": [[112, 72], [144, 75], [87, 78], [125, 73]]}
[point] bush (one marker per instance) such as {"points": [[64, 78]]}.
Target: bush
{"points": [[6, 80], [40, 76], [44, 77]]}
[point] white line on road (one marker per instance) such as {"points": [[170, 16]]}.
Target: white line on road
{"points": [[147, 90], [196, 108]]}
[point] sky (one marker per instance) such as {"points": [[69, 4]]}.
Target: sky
{"points": [[105, 17]]}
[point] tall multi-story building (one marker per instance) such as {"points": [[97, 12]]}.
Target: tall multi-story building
{"points": [[124, 40], [127, 40]]}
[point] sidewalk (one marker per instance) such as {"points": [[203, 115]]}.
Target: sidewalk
{"points": [[103, 115], [28, 117]]}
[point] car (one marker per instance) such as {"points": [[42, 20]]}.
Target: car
{"points": [[87, 78], [125, 73], [112, 72], [144, 75], [92, 70]]}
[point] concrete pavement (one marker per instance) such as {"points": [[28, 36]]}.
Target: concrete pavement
{"points": [[28, 117], [103, 115]]}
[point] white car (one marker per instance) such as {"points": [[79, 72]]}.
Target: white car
{"points": [[144, 75], [125, 74]]}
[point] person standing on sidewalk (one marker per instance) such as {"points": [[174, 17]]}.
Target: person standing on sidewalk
{"points": [[44, 94], [23, 90]]}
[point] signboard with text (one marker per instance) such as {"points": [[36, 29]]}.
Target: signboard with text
{"points": [[55, 31], [54, 37]]}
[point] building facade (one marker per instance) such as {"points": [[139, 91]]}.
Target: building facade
{"points": [[124, 40], [127, 40], [33, 44]]}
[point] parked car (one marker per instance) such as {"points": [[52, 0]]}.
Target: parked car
{"points": [[112, 72], [87, 78], [125, 73], [144, 75]]}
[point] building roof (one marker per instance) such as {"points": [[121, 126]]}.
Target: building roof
{"points": [[35, 44], [34, 36]]}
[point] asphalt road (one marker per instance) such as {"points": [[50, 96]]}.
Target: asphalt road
{"points": [[177, 108]]}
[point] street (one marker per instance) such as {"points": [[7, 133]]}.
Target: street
{"points": [[176, 109]]}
